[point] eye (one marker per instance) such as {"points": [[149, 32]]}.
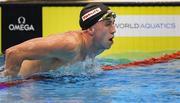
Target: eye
{"points": [[108, 22]]}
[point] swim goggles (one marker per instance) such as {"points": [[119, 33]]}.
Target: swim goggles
{"points": [[108, 16]]}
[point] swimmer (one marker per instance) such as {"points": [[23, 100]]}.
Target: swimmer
{"points": [[49, 53]]}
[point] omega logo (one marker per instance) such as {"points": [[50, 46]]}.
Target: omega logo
{"points": [[21, 20], [21, 26]]}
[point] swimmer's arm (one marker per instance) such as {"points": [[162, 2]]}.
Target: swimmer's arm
{"points": [[38, 49], [12, 63]]}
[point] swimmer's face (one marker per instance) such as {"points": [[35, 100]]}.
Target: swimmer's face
{"points": [[104, 33]]}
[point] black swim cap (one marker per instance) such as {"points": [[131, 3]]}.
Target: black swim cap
{"points": [[91, 13]]}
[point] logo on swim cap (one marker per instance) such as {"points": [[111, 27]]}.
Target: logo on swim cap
{"points": [[90, 14]]}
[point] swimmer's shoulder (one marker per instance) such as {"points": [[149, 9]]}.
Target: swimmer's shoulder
{"points": [[65, 34], [71, 37], [74, 35]]}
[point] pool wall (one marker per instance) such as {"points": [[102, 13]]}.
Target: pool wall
{"points": [[143, 29]]}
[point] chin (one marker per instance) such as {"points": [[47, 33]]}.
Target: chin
{"points": [[109, 46]]}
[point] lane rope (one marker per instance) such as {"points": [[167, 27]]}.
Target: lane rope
{"points": [[146, 62]]}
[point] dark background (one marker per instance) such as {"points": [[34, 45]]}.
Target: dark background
{"points": [[10, 15]]}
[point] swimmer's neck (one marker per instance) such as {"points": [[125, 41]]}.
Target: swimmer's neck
{"points": [[89, 47]]}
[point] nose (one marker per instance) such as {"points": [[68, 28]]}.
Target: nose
{"points": [[113, 29]]}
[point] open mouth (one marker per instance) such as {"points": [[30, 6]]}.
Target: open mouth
{"points": [[111, 39]]}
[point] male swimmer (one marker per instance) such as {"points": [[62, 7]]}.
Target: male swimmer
{"points": [[49, 53]]}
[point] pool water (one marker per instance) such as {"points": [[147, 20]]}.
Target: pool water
{"points": [[79, 83]]}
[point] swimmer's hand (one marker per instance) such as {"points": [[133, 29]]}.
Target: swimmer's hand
{"points": [[1, 74], [1, 71], [9, 73]]}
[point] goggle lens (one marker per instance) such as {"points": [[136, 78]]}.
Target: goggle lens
{"points": [[108, 16]]}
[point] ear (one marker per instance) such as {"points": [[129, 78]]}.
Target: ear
{"points": [[91, 31]]}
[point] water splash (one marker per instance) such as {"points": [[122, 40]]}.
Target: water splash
{"points": [[88, 67]]}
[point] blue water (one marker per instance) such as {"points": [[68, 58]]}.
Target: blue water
{"points": [[80, 83]]}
